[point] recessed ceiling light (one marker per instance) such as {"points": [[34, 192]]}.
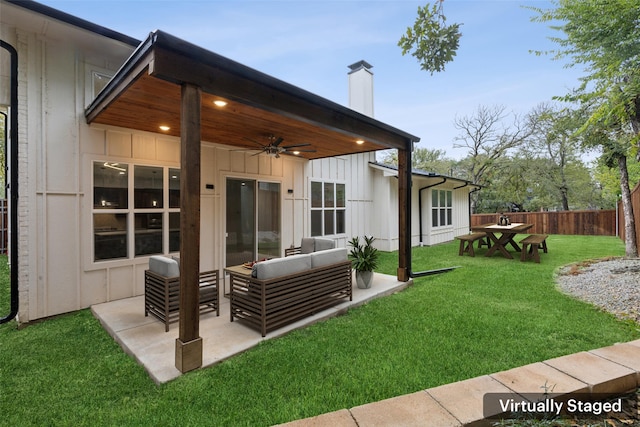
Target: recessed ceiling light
{"points": [[296, 152], [360, 141], [164, 128], [220, 103]]}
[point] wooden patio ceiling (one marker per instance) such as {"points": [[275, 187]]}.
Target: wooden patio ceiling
{"points": [[145, 94]]}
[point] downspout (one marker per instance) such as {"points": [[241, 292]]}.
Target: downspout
{"points": [[13, 186], [413, 274], [420, 205], [472, 191]]}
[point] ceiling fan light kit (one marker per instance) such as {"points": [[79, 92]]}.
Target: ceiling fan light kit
{"points": [[274, 149]]}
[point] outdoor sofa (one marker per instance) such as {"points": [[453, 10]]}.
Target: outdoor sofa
{"points": [[162, 290], [281, 291]]}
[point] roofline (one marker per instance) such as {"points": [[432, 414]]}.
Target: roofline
{"points": [[423, 174], [74, 20]]}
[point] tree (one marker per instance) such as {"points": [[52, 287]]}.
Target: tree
{"points": [[425, 159], [604, 37], [558, 143], [488, 139], [609, 180], [430, 40]]}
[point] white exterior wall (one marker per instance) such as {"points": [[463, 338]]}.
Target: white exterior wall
{"points": [[386, 213], [51, 90]]}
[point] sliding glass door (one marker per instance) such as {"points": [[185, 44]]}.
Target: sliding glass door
{"points": [[253, 220]]}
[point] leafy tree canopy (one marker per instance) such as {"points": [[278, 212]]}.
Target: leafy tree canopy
{"points": [[431, 40], [603, 36]]}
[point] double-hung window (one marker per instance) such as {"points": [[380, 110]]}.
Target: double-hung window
{"points": [[136, 210], [441, 208], [328, 208]]}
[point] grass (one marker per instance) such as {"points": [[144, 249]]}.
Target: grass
{"points": [[489, 315]]}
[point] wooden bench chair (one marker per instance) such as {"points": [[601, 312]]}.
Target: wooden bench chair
{"points": [[534, 242], [162, 295], [467, 240]]}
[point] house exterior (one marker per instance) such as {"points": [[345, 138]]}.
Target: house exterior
{"points": [[102, 187], [440, 207]]}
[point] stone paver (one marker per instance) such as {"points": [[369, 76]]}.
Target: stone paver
{"points": [[464, 399], [625, 354], [540, 378], [340, 418], [602, 375], [416, 409]]}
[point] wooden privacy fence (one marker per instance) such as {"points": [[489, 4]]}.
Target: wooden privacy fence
{"points": [[635, 202], [590, 223]]}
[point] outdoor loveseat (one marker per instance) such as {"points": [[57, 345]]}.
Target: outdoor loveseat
{"points": [[281, 291], [162, 290]]}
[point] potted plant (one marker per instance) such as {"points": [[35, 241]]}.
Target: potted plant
{"points": [[364, 258]]}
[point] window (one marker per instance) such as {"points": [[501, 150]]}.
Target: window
{"points": [[441, 208], [99, 81], [328, 208], [135, 214], [96, 79]]}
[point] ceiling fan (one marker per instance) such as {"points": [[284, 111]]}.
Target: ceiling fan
{"points": [[273, 148]]}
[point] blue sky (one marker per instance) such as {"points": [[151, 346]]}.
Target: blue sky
{"points": [[311, 43]]}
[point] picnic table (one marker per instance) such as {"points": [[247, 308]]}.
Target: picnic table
{"points": [[506, 236]]}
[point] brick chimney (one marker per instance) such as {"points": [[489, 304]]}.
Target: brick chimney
{"points": [[361, 88]]}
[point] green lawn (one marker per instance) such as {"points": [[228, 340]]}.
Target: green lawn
{"points": [[489, 315]]}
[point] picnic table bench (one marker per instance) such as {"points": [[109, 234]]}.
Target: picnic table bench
{"points": [[467, 240], [534, 241]]}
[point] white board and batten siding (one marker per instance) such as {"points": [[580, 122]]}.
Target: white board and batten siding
{"points": [[386, 210], [51, 83]]}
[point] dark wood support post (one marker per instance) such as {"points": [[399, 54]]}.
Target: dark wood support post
{"points": [[189, 342], [404, 212]]}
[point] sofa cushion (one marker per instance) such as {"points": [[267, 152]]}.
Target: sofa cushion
{"points": [[307, 245], [329, 256], [322, 244], [164, 266], [281, 266]]}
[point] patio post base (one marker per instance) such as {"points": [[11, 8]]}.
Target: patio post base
{"points": [[188, 354]]}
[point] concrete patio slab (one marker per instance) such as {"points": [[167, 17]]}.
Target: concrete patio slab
{"points": [[145, 338]]}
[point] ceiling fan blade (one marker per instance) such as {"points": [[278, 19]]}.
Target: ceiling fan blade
{"points": [[302, 151], [295, 145], [255, 142], [277, 141]]}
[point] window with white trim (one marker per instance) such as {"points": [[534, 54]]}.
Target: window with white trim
{"points": [[328, 208], [441, 208], [96, 79], [136, 210]]}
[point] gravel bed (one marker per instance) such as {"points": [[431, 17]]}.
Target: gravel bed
{"points": [[612, 284]]}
